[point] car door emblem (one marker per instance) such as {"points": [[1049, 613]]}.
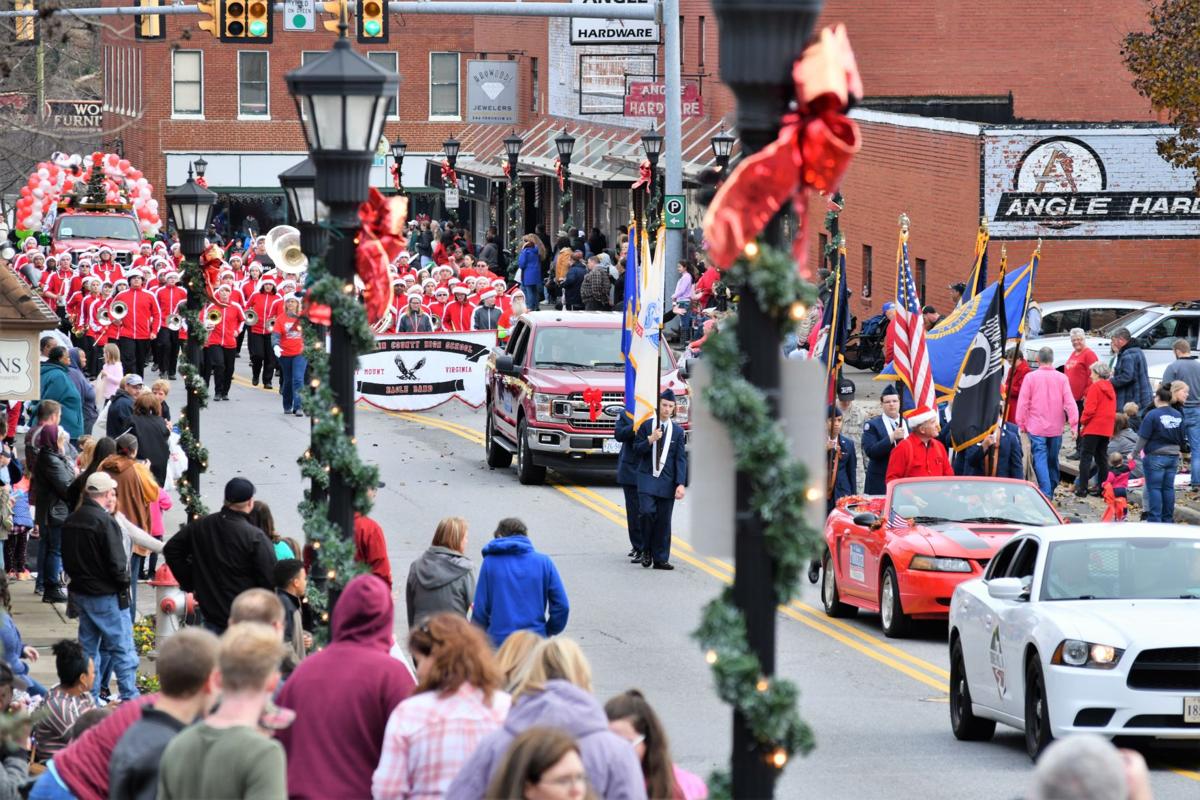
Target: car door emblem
{"points": [[996, 656]]}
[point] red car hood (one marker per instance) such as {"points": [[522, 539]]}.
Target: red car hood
{"points": [[964, 539]]}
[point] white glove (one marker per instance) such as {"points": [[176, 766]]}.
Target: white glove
{"points": [[278, 351]]}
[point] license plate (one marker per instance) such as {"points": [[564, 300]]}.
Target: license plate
{"points": [[612, 446], [1191, 709]]}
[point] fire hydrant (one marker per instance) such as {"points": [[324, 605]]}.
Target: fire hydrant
{"points": [[171, 604]]}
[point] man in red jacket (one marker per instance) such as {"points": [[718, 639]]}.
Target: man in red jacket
{"points": [[170, 297], [219, 352], [139, 326], [919, 455], [267, 305], [458, 312]]}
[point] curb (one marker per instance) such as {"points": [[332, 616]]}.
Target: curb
{"points": [[1184, 512]]}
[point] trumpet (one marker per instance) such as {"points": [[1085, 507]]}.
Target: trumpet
{"points": [[251, 317], [174, 322], [104, 318], [118, 310], [213, 318]]}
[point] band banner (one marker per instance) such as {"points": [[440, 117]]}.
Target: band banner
{"points": [[418, 371]]}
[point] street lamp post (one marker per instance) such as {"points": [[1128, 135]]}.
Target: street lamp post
{"points": [[398, 149], [722, 147], [512, 148], [201, 167], [342, 99], [191, 207], [652, 144], [565, 144], [759, 40], [450, 147]]}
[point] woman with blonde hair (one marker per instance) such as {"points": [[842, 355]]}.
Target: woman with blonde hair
{"points": [[443, 578], [109, 379], [513, 657], [542, 764], [556, 691], [457, 702]]}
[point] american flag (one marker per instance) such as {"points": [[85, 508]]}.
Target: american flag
{"points": [[895, 521], [910, 357]]}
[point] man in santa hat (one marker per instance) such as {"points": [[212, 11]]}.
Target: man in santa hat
{"points": [[458, 312], [219, 352], [171, 297], [266, 303], [107, 267], [487, 316], [142, 260], [919, 454], [414, 319], [237, 264], [139, 326]]}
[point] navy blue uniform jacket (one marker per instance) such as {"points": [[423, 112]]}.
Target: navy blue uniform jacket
{"points": [[1010, 465], [627, 461], [877, 448], [674, 471], [846, 482]]}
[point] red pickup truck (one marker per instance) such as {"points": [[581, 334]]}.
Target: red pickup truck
{"points": [[540, 382], [77, 231]]}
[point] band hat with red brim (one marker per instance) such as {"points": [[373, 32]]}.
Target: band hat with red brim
{"points": [[919, 416]]}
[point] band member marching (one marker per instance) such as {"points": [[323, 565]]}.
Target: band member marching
{"points": [[224, 321], [287, 343], [137, 311], [171, 296], [261, 309]]}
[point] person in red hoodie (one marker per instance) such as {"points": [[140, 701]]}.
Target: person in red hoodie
{"points": [[140, 325], [334, 747], [265, 302], [1096, 427], [219, 350], [458, 312], [370, 548]]}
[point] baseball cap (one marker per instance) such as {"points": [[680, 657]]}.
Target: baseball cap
{"points": [[961, 288], [99, 482], [134, 380], [239, 490], [845, 389], [928, 310]]}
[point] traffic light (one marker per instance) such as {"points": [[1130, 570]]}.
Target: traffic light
{"points": [[148, 27], [246, 21], [333, 7], [25, 28], [208, 10], [371, 21]]}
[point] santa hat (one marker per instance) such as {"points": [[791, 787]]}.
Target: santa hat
{"points": [[414, 293], [168, 274], [919, 416], [453, 282], [287, 287], [397, 281], [160, 246], [146, 245], [254, 265], [30, 243], [403, 257], [459, 288], [490, 294], [441, 291], [225, 287], [120, 282], [135, 273], [267, 280], [410, 279], [226, 273], [429, 282], [106, 249], [499, 283]]}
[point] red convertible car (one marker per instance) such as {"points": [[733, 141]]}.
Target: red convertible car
{"points": [[903, 554]]}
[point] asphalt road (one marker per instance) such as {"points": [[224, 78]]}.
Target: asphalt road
{"points": [[878, 707]]}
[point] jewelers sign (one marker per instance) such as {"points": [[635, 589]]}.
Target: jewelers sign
{"points": [[613, 31], [417, 371], [1085, 183], [492, 92]]}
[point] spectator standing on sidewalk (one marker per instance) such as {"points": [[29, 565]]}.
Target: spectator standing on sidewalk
{"points": [[1130, 377], [370, 548], [52, 479], [1096, 426], [595, 287], [1161, 438], [443, 577], [1186, 368], [1045, 407], [1079, 374]]}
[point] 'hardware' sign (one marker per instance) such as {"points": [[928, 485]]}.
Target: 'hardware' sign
{"points": [[645, 99], [613, 31]]}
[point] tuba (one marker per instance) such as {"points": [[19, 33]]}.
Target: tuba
{"points": [[213, 318], [283, 247], [251, 317], [174, 322], [118, 310]]}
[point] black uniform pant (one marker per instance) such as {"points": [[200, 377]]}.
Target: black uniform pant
{"points": [[134, 354], [167, 357], [632, 518], [262, 358], [218, 365], [656, 525], [95, 356]]}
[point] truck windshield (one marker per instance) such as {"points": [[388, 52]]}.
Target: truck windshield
{"points": [[585, 348], [101, 226]]}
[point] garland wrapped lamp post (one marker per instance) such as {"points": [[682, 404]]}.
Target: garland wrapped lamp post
{"points": [[191, 208], [512, 149], [399, 148], [451, 147], [342, 100], [564, 143], [652, 144]]}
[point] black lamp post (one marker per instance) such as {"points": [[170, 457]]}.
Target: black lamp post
{"points": [[722, 147], [342, 99], [512, 148], [299, 184], [759, 40], [565, 144], [450, 148], [191, 207], [201, 166], [399, 147], [652, 144]]}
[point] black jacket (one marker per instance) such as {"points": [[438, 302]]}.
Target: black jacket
{"points": [[133, 766], [573, 283], [218, 557], [120, 410], [51, 485], [154, 443], [93, 552]]}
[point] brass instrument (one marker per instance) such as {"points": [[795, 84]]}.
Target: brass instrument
{"points": [[174, 322], [118, 310], [283, 247], [251, 317], [270, 323], [104, 318], [386, 322], [213, 318], [437, 321]]}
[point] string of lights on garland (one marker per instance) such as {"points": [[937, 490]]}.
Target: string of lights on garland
{"points": [[331, 450], [779, 491], [514, 223], [193, 280]]}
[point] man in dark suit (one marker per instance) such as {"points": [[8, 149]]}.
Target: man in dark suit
{"points": [[662, 475], [879, 436], [1008, 438], [627, 477]]}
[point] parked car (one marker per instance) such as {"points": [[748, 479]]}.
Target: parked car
{"points": [[1154, 329], [1060, 316]]}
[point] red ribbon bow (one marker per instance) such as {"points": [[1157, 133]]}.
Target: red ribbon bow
{"points": [[594, 398], [813, 150], [379, 242], [562, 179], [645, 176], [396, 175], [202, 181], [507, 169], [449, 176]]}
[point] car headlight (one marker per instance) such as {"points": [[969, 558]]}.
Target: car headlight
{"points": [[541, 405], [1078, 653], [682, 408], [939, 564]]}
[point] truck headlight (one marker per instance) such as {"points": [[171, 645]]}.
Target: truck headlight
{"points": [[682, 408], [938, 564], [1078, 653], [541, 405]]}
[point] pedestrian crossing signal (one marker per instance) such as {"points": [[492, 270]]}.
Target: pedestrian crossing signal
{"points": [[24, 28], [371, 21], [246, 20], [148, 27]]}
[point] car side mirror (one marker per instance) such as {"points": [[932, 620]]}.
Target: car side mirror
{"points": [[866, 519], [685, 368], [1007, 589], [505, 365]]}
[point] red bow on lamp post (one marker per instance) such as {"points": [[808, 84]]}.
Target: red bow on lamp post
{"points": [[594, 398], [645, 177], [449, 176], [507, 169], [813, 150], [379, 242], [562, 178], [396, 176], [202, 181]]}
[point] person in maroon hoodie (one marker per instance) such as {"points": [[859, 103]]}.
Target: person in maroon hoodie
{"points": [[334, 747]]}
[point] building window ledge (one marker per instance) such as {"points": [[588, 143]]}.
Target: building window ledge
{"points": [[254, 117], [188, 116], [440, 118]]}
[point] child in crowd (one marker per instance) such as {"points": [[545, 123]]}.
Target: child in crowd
{"points": [[157, 528], [291, 583], [110, 376], [160, 389], [1116, 487], [1131, 413]]}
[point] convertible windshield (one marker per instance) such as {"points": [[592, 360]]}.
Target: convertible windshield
{"points": [[101, 226], [1004, 502], [1127, 568], [585, 348]]}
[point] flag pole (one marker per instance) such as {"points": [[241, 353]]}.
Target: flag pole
{"points": [[1021, 327], [991, 459]]}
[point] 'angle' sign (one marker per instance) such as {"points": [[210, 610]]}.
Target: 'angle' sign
{"points": [[613, 31]]}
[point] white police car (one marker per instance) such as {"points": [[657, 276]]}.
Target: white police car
{"points": [[1081, 628]]}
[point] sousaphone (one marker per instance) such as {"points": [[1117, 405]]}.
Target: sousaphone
{"points": [[283, 247]]}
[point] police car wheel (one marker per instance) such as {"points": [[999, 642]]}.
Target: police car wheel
{"points": [[966, 726]]}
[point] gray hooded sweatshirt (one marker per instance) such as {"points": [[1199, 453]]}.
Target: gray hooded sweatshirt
{"points": [[440, 580]]}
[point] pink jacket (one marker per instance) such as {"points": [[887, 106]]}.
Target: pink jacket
{"points": [[163, 503], [1046, 404]]}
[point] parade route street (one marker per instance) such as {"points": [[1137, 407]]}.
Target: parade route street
{"points": [[877, 706]]}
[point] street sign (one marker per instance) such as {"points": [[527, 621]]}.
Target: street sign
{"points": [[675, 211], [648, 99], [299, 15], [452, 198]]}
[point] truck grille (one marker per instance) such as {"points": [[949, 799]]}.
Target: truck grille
{"points": [[123, 257], [1166, 669], [581, 418]]}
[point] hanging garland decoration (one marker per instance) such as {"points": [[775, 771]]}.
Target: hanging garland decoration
{"points": [[514, 226], [812, 151], [193, 281]]}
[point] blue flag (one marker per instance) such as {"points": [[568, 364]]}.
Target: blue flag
{"points": [[835, 328], [631, 317]]}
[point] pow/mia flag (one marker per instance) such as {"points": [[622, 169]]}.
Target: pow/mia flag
{"points": [[975, 409]]}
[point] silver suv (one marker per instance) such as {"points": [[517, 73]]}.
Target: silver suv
{"points": [[1154, 329]]}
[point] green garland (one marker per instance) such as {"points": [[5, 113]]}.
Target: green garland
{"points": [[514, 229], [779, 486], [331, 450], [193, 279]]}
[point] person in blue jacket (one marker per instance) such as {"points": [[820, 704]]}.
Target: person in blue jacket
{"points": [[519, 588], [1009, 465], [1130, 377], [57, 385], [17, 654], [530, 263], [840, 449], [879, 438], [627, 478], [662, 476]]}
